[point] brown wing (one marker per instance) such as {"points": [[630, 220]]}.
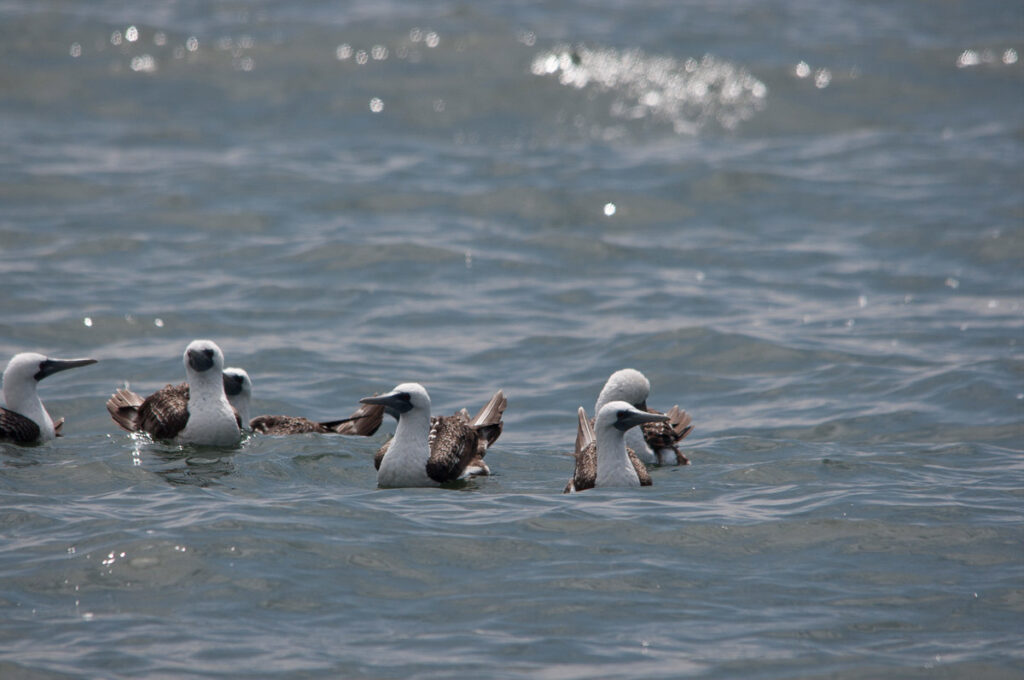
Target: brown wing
{"points": [[123, 407], [164, 413], [363, 422], [379, 456], [58, 425], [488, 423], [638, 465], [285, 425], [667, 434], [584, 475], [453, 445], [16, 428]]}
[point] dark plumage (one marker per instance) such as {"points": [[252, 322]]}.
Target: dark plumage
{"points": [[162, 414], [662, 435], [363, 422]]}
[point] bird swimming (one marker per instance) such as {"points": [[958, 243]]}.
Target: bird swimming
{"points": [[428, 451], [193, 412], [654, 442], [602, 458], [23, 418], [238, 389]]}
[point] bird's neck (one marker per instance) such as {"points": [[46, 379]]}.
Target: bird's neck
{"points": [[24, 400], [411, 435], [613, 465]]}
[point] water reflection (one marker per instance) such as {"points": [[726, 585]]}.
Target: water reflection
{"points": [[685, 93], [183, 465]]}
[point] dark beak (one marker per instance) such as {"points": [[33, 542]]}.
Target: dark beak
{"points": [[394, 403], [232, 385], [200, 360], [51, 366], [628, 419]]}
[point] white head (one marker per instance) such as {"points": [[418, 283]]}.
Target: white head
{"points": [[403, 399], [23, 373], [203, 360], [620, 415], [238, 390], [629, 385]]}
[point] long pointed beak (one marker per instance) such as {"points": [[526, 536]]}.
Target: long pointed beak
{"points": [[51, 366], [394, 403], [635, 418]]}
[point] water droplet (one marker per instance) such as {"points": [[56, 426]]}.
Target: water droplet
{"points": [[376, 105], [379, 53], [953, 283], [192, 44], [131, 34], [343, 52], [432, 39], [1010, 56], [75, 51], [862, 301], [609, 209], [87, 321], [159, 323], [115, 38], [802, 70]]}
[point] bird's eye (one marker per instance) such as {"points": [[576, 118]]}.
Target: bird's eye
{"points": [[406, 397], [622, 414]]}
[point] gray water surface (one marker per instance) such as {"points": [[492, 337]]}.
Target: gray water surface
{"points": [[804, 221]]}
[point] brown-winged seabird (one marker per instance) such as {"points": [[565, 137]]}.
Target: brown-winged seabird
{"points": [[602, 458], [23, 418], [195, 412], [427, 451], [238, 388], [656, 442]]}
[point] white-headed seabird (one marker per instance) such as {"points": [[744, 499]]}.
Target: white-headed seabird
{"points": [[602, 458], [195, 412], [428, 451], [238, 388], [655, 441], [23, 419]]}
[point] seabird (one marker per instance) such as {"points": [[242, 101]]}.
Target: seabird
{"points": [[602, 458], [194, 412], [238, 388], [428, 451], [655, 441], [23, 419]]}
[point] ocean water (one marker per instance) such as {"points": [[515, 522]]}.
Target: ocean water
{"points": [[804, 221]]}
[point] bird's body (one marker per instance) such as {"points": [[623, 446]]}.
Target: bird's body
{"points": [[656, 442], [238, 388], [602, 458], [428, 451], [23, 418], [196, 412]]}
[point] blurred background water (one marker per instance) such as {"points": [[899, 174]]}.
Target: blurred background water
{"points": [[804, 221]]}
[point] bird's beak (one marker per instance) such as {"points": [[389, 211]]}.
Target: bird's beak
{"points": [[634, 418], [51, 366], [200, 360], [394, 403]]}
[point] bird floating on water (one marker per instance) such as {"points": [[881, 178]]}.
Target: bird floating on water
{"points": [[602, 458], [194, 412], [428, 451], [23, 418], [238, 388], [655, 441]]}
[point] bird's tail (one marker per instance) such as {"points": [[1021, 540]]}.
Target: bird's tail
{"points": [[123, 406], [487, 422], [363, 422]]}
